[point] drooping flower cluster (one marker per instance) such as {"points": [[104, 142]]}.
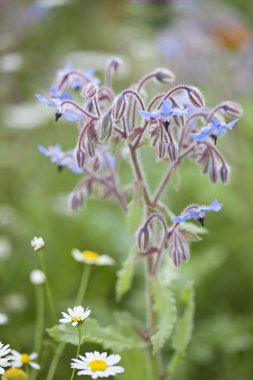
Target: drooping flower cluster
{"points": [[177, 124]]}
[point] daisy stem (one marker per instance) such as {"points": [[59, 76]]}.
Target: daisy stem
{"points": [[55, 361], [48, 289], [83, 285], [79, 331], [39, 319]]}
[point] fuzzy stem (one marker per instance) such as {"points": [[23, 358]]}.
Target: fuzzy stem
{"points": [[83, 285], [48, 289], [70, 102]]}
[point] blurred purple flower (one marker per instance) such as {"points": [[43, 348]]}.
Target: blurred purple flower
{"points": [[197, 212], [165, 112], [63, 159], [214, 130]]}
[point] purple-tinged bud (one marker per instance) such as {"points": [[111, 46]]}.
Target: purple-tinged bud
{"points": [[176, 257], [205, 165], [196, 97], [154, 139], [74, 202], [184, 245], [233, 109], [58, 115], [80, 157], [90, 148], [173, 151], [164, 76], [118, 107], [105, 128], [143, 239], [213, 172], [96, 164], [160, 149], [224, 172], [89, 91], [179, 120]]}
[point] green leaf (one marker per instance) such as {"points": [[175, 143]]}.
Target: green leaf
{"points": [[165, 307], [125, 275], [184, 327], [109, 337], [135, 214], [183, 331], [193, 228]]}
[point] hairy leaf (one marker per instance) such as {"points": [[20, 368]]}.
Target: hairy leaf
{"points": [[135, 214], [125, 275], [165, 307], [109, 337], [183, 330]]}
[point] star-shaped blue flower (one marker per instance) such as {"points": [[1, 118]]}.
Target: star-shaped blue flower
{"points": [[68, 114], [63, 159], [197, 212], [166, 111], [214, 130]]}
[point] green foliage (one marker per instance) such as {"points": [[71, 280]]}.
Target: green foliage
{"points": [[135, 214], [109, 337], [125, 275], [165, 307], [183, 331]]}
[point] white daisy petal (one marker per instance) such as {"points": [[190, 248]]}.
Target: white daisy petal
{"points": [[33, 355], [35, 365], [113, 359], [2, 371]]}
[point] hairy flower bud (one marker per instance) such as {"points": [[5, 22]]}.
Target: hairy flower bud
{"points": [[89, 91], [213, 172], [196, 97], [224, 172], [173, 150], [160, 149], [143, 238], [233, 109], [91, 148], [105, 128], [179, 120], [80, 157], [164, 76], [118, 107]]}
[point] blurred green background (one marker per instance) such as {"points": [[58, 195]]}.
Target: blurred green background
{"points": [[35, 41]]}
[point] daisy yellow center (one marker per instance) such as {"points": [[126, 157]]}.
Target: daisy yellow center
{"points": [[77, 319], [97, 365], [14, 374], [89, 255], [25, 358]]}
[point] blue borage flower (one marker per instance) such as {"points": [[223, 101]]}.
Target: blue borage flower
{"points": [[68, 114], [214, 130], [68, 76], [63, 159], [197, 212], [165, 112]]}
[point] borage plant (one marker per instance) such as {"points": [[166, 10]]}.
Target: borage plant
{"points": [[176, 125]]}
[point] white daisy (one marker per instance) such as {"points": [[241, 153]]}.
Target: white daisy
{"points": [[37, 243], [97, 365], [4, 350], [90, 257], [77, 315], [18, 360], [37, 277]]}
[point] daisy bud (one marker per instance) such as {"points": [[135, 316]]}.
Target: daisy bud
{"points": [[164, 76], [37, 277], [233, 109], [89, 91], [160, 149], [196, 97], [80, 157], [224, 171], [105, 128], [119, 107], [173, 151], [143, 239]]}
